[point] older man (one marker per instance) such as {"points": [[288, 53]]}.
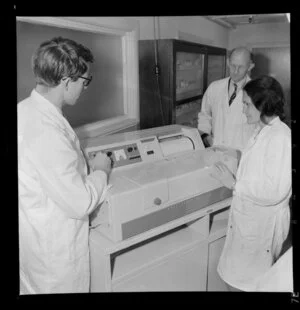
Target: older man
{"points": [[221, 120]]}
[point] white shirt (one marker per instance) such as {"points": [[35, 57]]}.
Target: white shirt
{"points": [[259, 216], [55, 197], [227, 124]]}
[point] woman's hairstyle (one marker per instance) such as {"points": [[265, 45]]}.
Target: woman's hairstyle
{"points": [[267, 96], [58, 58]]}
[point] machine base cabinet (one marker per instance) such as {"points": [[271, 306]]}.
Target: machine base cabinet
{"points": [[214, 282], [180, 259], [182, 271]]}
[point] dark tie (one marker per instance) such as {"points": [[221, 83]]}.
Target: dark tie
{"points": [[233, 95]]}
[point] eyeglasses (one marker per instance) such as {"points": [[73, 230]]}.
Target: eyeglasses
{"points": [[87, 80]]}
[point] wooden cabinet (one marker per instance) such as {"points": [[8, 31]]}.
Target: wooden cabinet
{"points": [[173, 76], [216, 240]]}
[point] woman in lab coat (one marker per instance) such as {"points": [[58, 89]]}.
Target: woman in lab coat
{"points": [[56, 193], [259, 215]]}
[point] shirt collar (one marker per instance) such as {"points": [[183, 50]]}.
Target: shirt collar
{"points": [[274, 120], [241, 83], [44, 103], [45, 106]]}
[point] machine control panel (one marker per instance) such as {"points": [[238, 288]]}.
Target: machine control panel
{"points": [[133, 152], [121, 155]]}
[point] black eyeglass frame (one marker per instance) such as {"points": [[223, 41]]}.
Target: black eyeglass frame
{"points": [[85, 84], [89, 80]]}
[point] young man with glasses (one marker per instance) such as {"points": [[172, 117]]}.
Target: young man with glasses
{"points": [[56, 193], [221, 120]]}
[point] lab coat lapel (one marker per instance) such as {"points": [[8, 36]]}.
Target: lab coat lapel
{"points": [[70, 131], [221, 114], [258, 134], [53, 113]]}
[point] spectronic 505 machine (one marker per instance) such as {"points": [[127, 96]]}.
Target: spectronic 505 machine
{"points": [[153, 232], [158, 175]]}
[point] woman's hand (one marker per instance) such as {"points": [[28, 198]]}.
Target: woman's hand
{"points": [[223, 174]]}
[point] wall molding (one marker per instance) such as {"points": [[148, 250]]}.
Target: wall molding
{"points": [[193, 38], [105, 127], [267, 44]]}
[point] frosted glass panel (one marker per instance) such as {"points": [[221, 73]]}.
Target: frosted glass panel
{"points": [[216, 68], [189, 75], [187, 113]]}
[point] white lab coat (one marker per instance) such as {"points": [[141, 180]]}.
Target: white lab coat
{"points": [[55, 197], [259, 216], [279, 278], [227, 124]]}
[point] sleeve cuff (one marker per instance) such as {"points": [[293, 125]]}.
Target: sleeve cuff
{"points": [[204, 135]]}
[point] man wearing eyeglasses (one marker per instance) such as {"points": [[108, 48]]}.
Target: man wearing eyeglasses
{"points": [[221, 120], [57, 191]]}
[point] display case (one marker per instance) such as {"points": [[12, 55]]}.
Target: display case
{"points": [[215, 67], [173, 76]]}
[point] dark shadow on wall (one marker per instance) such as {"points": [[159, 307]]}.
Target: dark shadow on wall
{"points": [[275, 62], [262, 65]]}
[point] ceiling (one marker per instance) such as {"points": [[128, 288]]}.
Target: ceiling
{"points": [[233, 21]]}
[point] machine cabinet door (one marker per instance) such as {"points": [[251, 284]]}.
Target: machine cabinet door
{"points": [[183, 271]]}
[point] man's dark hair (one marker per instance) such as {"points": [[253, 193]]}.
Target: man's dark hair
{"points": [[58, 58]]}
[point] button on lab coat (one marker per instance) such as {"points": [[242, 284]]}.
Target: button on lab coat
{"points": [[55, 197], [227, 124], [259, 216]]}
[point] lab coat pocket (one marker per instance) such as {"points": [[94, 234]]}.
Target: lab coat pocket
{"points": [[250, 231], [246, 222]]}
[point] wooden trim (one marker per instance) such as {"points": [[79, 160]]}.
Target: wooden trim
{"points": [[189, 99], [112, 25], [267, 45], [105, 127], [131, 74]]}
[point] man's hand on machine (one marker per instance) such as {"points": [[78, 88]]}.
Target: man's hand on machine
{"points": [[101, 162]]}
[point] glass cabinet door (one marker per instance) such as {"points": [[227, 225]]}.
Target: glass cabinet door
{"points": [[187, 113], [215, 68], [189, 75]]}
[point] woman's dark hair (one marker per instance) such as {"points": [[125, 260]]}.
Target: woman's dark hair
{"points": [[267, 96], [58, 58]]}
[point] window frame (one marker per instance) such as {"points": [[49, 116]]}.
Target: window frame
{"points": [[128, 30]]}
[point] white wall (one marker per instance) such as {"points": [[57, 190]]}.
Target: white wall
{"points": [[260, 35], [201, 30], [191, 28]]}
